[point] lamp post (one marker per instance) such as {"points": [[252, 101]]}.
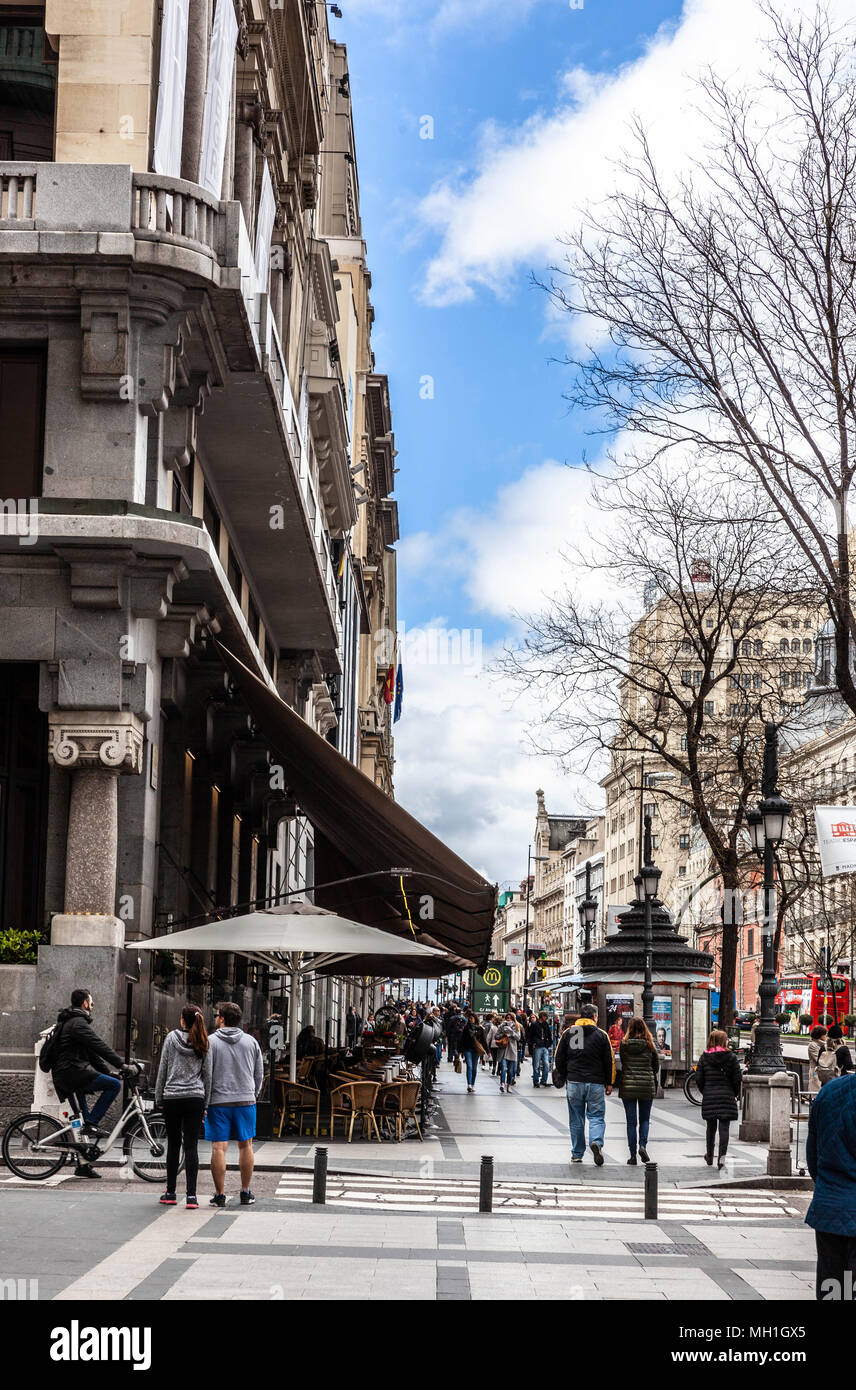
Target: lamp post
{"points": [[768, 826], [587, 909], [530, 860], [647, 883]]}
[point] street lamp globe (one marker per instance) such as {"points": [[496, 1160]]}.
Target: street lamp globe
{"points": [[755, 822], [650, 880], [588, 911], [775, 813]]}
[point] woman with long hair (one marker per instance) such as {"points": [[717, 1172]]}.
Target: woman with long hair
{"points": [[718, 1077], [182, 1091], [473, 1046], [637, 1085]]}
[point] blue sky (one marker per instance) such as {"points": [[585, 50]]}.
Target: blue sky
{"points": [[531, 102]]}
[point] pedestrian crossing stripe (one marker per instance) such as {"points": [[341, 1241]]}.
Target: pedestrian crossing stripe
{"points": [[546, 1199]]}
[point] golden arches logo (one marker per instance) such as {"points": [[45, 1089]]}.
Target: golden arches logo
{"points": [[492, 976]]}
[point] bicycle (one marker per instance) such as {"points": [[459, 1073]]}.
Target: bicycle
{"points": [[36, 1146], [691, 1090]]}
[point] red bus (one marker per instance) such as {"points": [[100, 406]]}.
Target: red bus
{"points": [[821, 996]]}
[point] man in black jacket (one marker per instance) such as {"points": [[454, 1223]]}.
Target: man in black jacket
{"points": [[585, 1060], [78, 1070]]}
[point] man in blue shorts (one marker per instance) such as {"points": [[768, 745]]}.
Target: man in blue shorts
{"points": [[237, 1072]]}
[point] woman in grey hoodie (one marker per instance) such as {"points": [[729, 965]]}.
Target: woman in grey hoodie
{"points": [[182, 1091]]}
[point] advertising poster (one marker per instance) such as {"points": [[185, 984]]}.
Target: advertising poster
{"points": [[682, 1027], [836, 839], [619, 1011], [699, 1028], [662, 1011]]}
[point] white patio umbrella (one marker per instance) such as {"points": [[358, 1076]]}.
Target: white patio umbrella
{"points": [[299, 938]]}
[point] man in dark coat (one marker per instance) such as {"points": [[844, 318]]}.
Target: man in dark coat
{"points": [[586, 1064], [831, 1157], [80, 1059]]}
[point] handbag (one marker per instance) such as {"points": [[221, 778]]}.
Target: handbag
{"points": [[500, 1042], [458, 1065]]}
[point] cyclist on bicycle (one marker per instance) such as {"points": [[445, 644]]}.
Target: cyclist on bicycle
{"points": [[81, 1055]]}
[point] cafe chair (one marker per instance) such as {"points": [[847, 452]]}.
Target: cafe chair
{"points": [[298, 1101], [398, 1103]]}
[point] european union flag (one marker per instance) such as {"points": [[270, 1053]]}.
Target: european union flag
{"points": [[399, 693]]}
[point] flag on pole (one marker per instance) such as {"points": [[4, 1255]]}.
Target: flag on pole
{"points": [[389, 686], [399, 693]]}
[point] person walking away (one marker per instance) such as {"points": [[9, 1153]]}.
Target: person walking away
{"points": [[353, 1028], [237, 1073], [473, 1046], [821, 1060], [79, 1069], [492, 1025], [637, 1085], [585, 1063], [454, 1029], [505, 1041], [539, 1036], [718, 1077], [843, 1055], [182, 1090], [831, 1159]]}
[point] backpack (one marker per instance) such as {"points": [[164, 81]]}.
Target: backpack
{"points": [[49, 1055], [826, 1066]]}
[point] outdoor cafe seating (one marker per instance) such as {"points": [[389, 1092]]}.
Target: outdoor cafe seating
{"points": [[381, 1095]]}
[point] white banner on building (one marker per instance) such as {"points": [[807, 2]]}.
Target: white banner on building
{"points": [[264, 229], [514, 953], [218, 97], [169, 122], [836, 839]]}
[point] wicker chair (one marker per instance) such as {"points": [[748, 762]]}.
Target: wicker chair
{"points": [[351, 1101], [300, 1101], [398, 1101]]}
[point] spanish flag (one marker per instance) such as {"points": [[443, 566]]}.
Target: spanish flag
{"points": [[389, 686]]}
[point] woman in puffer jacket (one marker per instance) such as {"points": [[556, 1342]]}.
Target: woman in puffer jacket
{"points": [[718, 1076], [505, 1041], [637, 1085]]}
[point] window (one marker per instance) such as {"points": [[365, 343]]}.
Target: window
{"points": [[682, 871], [234, 574], [750, 941], [796, 647], [685, 779], [621, 881], [685, 810], [22, 412], [253, 619], [655, 841], [759, 648], [686, 678], [686, 645], [211, 518], [746, 648], [708, 707], [734, 711], [806, 679], [649, 809], [708, 622], [697, 677], [27, 87], [757, 681], [807, 646], [784, 645], [684, 841], [683, 743]]}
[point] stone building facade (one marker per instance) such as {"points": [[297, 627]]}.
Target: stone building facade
{"points": [[553, 835], [188, 400]]}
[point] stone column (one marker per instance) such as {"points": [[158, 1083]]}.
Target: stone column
{"points": [[95, 748], [198, 40], [247, 125]]}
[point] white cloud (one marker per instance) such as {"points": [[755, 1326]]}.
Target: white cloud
{"points": [[529, 187]]}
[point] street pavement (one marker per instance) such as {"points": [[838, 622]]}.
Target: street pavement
{"points": [[402, 1220]]}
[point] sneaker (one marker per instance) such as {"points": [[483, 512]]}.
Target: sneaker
{"points": [[598, 1156], [535, 1084], [501, 1089], [632, 1161], [247, 1198], [192, 1204], [85, 1170], [708, 1158], [643, 1154], [168, 1199], [574, 1159], [721, 1163], [218, 1200], [470, 1088]]}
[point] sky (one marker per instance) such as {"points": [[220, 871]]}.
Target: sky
{"points": [[483, 129]]}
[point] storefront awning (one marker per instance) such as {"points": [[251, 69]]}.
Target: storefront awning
{"points": [[361, 831]]}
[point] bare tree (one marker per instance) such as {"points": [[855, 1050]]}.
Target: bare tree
{"points": [[729, 301], [688, 677]]}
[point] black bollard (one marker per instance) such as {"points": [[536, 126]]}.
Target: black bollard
{"points": [[650, 1192], [319, 1180], [486, 1184]]}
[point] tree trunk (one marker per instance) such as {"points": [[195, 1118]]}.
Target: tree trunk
{"points": [[727, 975]]}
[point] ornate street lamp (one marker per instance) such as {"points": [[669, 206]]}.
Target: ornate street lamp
{"points": [[588, 909], [647, 883], [768, 827]]}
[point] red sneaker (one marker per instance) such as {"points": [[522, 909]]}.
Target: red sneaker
{"points": [[192, 1204], [168, 1199]]}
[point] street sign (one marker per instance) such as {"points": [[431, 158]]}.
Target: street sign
{"points": [[491, 989], [514, 953]]}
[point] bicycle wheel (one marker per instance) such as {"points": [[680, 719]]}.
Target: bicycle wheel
{"points": [[149, 1164], [19, 1153], [691, 1090]]}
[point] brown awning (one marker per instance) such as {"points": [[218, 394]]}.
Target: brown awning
{"points": [[361, 831]]}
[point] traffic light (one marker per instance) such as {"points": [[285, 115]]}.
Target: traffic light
{"points": [[542, 969]]}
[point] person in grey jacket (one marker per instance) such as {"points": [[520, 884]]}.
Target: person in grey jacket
{"points": [[236, 1080], [182, 1091]]}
